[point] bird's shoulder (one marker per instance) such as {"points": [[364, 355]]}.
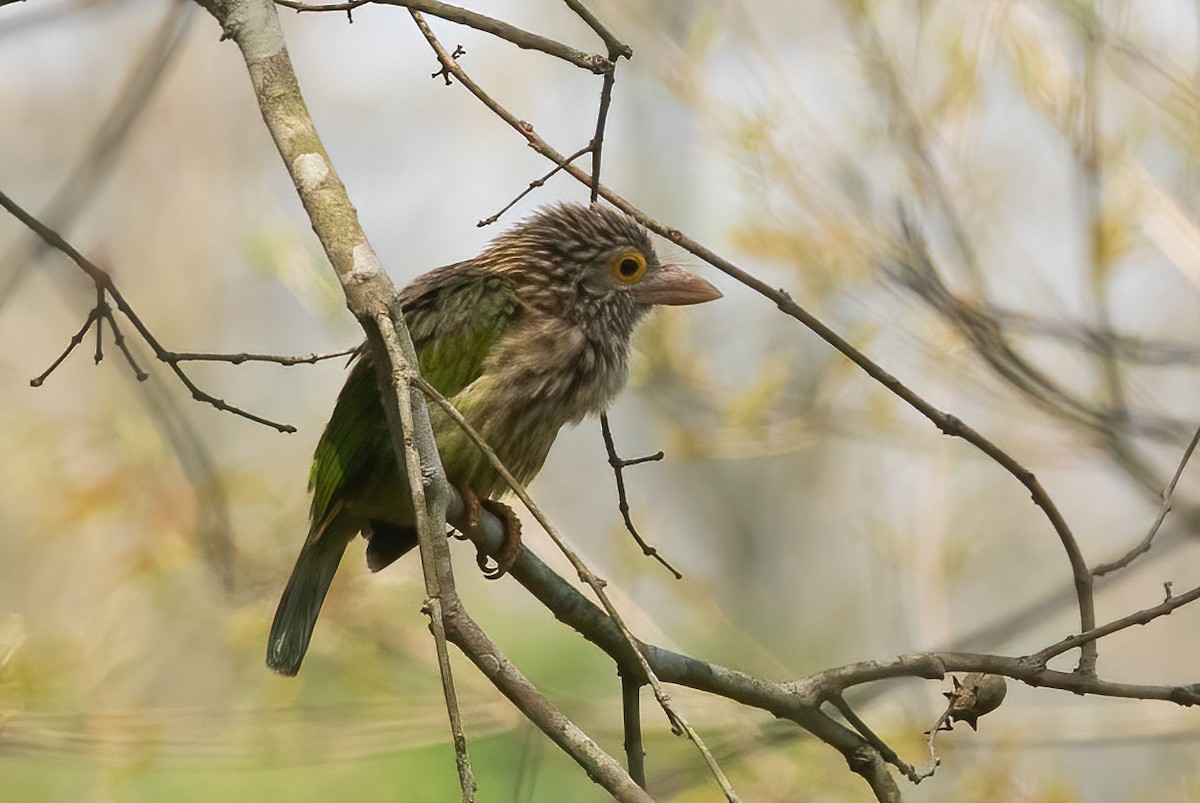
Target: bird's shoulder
{"points": [[457, 315], [457, 295]]}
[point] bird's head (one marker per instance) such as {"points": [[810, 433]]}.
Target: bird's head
{"points": [[593, 266]]}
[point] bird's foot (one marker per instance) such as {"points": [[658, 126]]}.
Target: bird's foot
{"points": [[510, 550], [470, 520]]}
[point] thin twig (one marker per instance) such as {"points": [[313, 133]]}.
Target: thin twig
{"points": [[1143, 546], [591, 62], [619, 465], [435, 562], [103, 311], [533, 185], [942, 723], [616, 48], [119, 339], [889, 755], [616, 51], [823, 685], [76, 339], [238, 359], [610, 78], [1141, 617]]}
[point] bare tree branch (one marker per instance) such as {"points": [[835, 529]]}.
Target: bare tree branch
{"points": [[498, 28], [106, 288], [238, 359]]}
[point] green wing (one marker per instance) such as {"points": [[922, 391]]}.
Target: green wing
{"points": [[455, 315]]}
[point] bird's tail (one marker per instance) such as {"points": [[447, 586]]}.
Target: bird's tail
{"points": [[301, 602]]}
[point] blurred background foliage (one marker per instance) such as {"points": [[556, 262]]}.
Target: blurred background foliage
{"points": [[1048, 150]]}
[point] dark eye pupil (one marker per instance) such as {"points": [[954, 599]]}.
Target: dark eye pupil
{"points": [[629, 267]]}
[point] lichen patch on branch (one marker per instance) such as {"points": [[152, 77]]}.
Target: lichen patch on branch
{"points": [[310, 169]]}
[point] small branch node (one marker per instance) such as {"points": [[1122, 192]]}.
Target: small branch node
{"points": [[444, 73]]}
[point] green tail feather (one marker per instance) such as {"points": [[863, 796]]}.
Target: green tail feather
{"points": [[301, 602]]}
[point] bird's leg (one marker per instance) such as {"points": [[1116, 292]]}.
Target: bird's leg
{"points": [[469, 521]]}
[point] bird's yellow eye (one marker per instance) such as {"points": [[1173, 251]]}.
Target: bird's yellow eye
{"points": [[629, 266]]}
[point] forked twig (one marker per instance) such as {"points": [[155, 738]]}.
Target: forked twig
{"points": [[106, 289], [619, 464]]}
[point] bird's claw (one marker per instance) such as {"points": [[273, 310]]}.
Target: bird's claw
{"points": [[470, 520], [510, 550]]}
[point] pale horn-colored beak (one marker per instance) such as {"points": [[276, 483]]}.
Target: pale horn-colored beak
{"points": [[673, 286]]}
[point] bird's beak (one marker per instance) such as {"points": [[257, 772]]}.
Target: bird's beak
{"points": [[674, 286]]}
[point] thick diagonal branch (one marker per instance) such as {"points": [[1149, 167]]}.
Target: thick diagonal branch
{"points": [[254, 26]]}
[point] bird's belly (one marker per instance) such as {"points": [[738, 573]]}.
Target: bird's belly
{"points": [[518, 407], [521, 440]]}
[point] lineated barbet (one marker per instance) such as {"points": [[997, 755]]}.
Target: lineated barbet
{"points": [[530, 335]]}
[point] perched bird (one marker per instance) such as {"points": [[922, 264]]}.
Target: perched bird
{"points": [[530, 335]]}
